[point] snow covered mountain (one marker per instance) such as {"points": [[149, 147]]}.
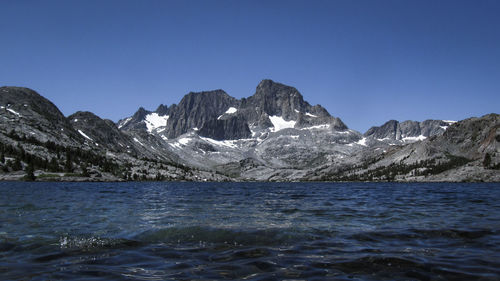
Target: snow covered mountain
{"points": [[272, 135], [273, 129]]}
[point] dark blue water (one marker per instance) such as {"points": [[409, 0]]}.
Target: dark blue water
{"points": [[251, 231]]}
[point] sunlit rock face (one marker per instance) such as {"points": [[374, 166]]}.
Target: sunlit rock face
{"points": [[272, 135]]}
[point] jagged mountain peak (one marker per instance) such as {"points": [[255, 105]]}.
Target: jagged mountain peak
{"points": [[197, 108], [278, 99], [163, 110], [135, 122], [141, 112], [273, 106], [216, 99], [269, 86], [273, 100]]}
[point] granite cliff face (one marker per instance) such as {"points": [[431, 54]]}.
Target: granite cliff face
{"points": [[273, 135], [275, 99], [228, 128], [195, 109]]}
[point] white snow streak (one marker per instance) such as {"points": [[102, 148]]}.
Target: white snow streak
{"points": [[414, 139], [226, 143], [312, 115], [136, 140], [175, 145], [11, 110], [124, 122], [323, 126], [84, 135]]}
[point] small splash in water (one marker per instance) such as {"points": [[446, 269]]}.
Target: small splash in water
{"points": [[92, 242]]}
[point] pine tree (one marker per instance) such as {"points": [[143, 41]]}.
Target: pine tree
{"points": [[53, 165], [17, 165], [487, 160], [68, 166], [30, 173], [85, 171]]}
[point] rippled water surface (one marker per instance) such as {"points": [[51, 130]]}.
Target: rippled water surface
{"points": [[251, 231]]}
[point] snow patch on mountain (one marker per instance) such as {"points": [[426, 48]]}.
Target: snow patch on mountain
{"points": [[311, 115], [449, 122], [14, 112], [124, 122], [362, 142], [317, 127], [226, 143], [175, 145], [279, 123], [154, 121], [84, 135], [136, 140], [184, 141], [230, 110], [179, 143], [414, 139]]}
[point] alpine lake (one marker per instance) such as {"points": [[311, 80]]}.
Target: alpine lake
{"points": [[249, 231]]}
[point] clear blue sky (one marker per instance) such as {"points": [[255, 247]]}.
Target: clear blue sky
{"points": [[364, 61]]}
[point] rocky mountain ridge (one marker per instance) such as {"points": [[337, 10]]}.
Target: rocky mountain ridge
{"points": [[408, 131], [272, 135]]}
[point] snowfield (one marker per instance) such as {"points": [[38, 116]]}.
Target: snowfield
{"points": [[279, 123], [154, 121]]}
